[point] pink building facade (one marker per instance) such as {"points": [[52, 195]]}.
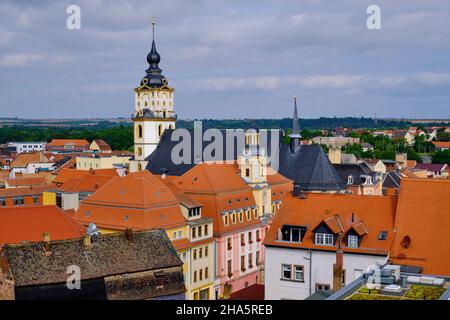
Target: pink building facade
{"points": [[239, 259]]}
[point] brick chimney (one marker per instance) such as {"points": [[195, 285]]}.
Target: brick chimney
{"points": [[338, 267], [129, 234]]}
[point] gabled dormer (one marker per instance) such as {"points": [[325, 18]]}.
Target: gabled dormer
{"points": [[355, 234], [326, 233]]}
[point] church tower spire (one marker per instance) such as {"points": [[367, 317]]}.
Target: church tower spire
{"points": [[154, 110], [295, 134]]}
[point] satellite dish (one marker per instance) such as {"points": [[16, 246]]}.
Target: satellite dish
{"points": [[92, 230]]}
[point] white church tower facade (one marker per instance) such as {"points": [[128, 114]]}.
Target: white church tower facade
{"points": [[153, 112]]}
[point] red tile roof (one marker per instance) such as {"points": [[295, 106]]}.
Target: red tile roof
{"points": [[442, 144], [431, 166], [29, 224], [423, 216], [254, 292]]}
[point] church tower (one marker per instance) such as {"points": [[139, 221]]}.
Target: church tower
{"points": [[153, 110]]}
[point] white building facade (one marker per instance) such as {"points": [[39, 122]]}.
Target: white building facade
{"points": [[21, 147], [310, 271]]}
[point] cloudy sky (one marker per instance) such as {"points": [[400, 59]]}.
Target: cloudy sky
{"points": [[227, 59]]}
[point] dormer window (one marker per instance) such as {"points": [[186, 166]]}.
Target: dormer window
{"points": [[352, 241], [293, 233], [325, 239], [350, 180], [226, 220], [383, 235]]}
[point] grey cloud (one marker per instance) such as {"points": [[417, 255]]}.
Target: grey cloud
{"points": [[227, 58]]}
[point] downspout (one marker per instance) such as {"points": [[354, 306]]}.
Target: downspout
{"points": [[310, 272]]}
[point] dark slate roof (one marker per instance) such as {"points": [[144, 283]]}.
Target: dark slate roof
{"points": [[310, 169], [308, 166], [160, 161], [354, 170], [392, 180], [108, 255]]}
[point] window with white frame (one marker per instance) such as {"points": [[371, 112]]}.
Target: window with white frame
{"points": [[350, 180], [325, 239], [352, 241], [286, 271], [299, 274]]}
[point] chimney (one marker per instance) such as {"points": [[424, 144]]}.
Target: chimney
{"points": [[338, 267], [334, 154], [46, 238], [87, 241], [129, 234]]}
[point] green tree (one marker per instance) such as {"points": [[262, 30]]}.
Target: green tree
{"points": [[441, 157]]}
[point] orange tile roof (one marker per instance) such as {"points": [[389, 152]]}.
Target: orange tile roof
{"points": [[212, 178], [442, 144], [334, 224], [29, 224], [26, 182], [66, 174], [219, 188], [423, 216], [22, 192], [359, 228], [23, 159], [182, 197], [63, 142], [87, 183], [376, 212], [411, 163], [102, 144], [138, 200]]}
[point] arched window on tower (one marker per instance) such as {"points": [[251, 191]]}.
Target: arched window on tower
{"points": [[164, 113], [139, 131], [171, 127], [139, 167], [160, 130]]}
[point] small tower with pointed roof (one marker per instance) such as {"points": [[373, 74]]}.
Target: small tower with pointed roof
{"points": [[295, 134], [154, 111]]}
